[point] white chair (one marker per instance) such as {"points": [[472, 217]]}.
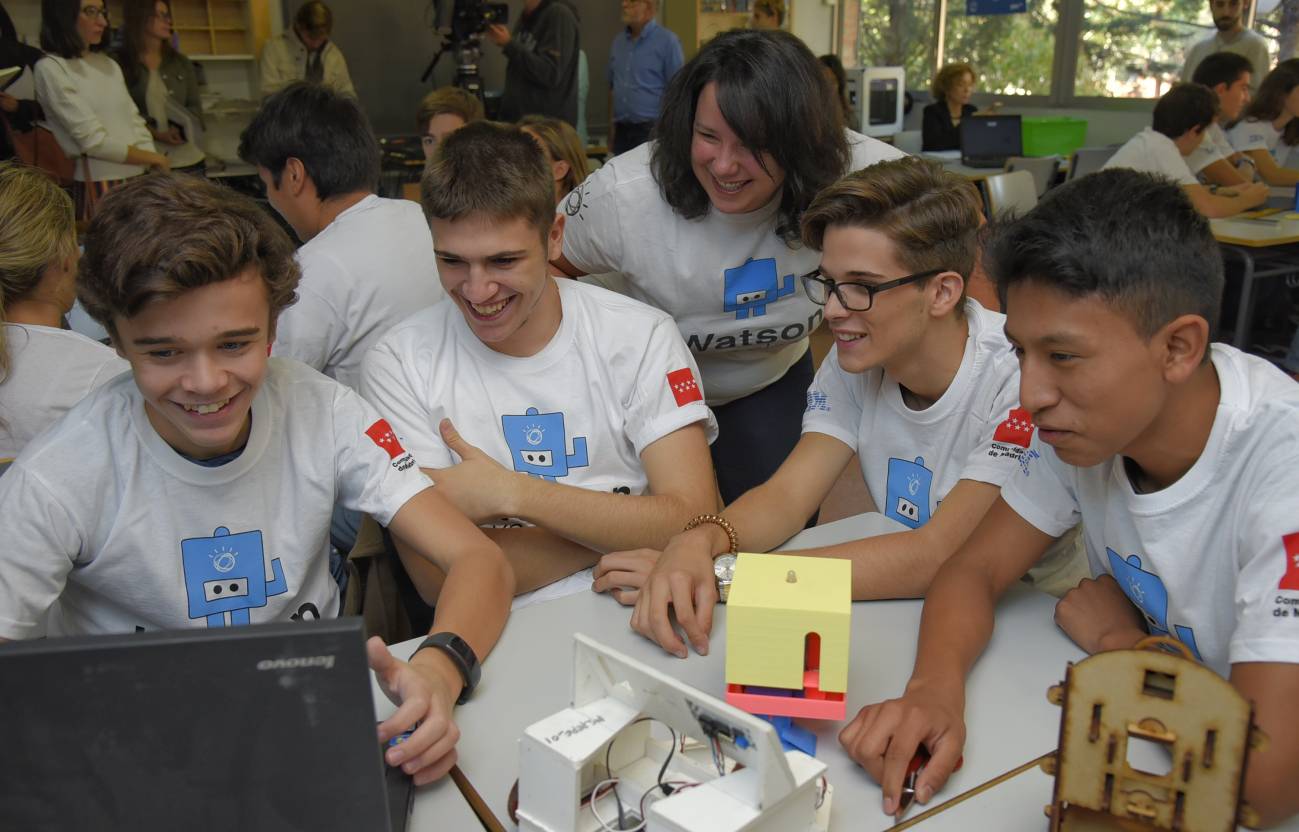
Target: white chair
{"points": [[1011, 194], [908, 141], [1043, 169], [1089, 160]]}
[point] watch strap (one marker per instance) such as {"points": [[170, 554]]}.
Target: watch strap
{"points": [[461, 655]]}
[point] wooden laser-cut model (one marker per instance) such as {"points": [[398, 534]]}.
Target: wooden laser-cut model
{"points": [[787, 625]]}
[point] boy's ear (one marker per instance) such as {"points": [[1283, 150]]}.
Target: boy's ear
{"points": [[1184, 341], [555, 239], [947, 288], [294, 177]]}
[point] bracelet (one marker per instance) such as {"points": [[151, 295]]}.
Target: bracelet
{"points": [[717, 520]]}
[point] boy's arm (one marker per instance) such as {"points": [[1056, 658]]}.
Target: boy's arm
{"points": [[1270, 779], [954, 628], [476, 600], [1223, 172], [1224, 204]]}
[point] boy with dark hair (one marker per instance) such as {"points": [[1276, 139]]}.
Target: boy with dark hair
{"points": [[197, 491], [367, 261], [1215, 161], [1178, 457], [539, 401], [1180, 119], [920, 385]]}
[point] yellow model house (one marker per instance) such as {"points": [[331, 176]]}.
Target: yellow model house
{"points": [[787, 623]]}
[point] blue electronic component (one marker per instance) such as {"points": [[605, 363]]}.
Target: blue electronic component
{"points": [[538, 445], [747, 289], [225, 575]]}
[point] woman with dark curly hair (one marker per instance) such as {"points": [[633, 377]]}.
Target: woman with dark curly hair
{"points": [[703, 222]]}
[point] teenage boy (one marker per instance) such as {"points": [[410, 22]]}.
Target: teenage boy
{"points": [[197, 490], [1180, 119], [1180, 459], [1215, 161], [539, 401], [921, 385], [367, 262]]}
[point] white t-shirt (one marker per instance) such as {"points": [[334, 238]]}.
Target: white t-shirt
{"points": [[1248, 43], [111, 529], [910, 459], [1214, 147], [370, 269], [1213, 559], [727, 280], [50, 370], [1248, 134], [614, 379], [1152, 152]]}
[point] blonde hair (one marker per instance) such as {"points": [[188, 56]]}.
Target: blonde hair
{"points": [[37, 227], [448, 101], [772, 8], [947, 78], [563, 145]]}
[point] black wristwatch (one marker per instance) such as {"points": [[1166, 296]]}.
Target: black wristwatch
{"points": [[461, 654]]}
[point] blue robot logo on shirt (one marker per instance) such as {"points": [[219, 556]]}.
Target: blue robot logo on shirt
{"points": [[906, 493], [749, 288], [225, 576], [1146, 590], [538, 445]]}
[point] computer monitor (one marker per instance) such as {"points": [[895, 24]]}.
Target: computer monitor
{"points": [[877, 96], [267, 727], [988, 141]]}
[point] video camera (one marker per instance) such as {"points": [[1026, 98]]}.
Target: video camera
{"points": [[472, 17]]}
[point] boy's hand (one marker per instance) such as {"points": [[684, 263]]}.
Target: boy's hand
{"points": [[883, 738], [478, 485], [683, 579], [1098, 616], [423, 695], [623, 574]]}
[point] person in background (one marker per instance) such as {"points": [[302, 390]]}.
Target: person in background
{"points": [[20, 114], [1215, 161], [44, 368], [838, 78], [768, 15], [643, 58], [563, 151], [952, 87], [1232, 36], [442, 112], [305, 53], [155, 74], [1270, 128], [542, 57], [86, 102]]}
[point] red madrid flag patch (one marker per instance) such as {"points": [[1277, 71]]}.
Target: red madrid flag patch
{"points": [[1290, 579], [684, 387], [1017, 429], [381, 433]]}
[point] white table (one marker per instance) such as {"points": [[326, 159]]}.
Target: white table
{"points": [[1267, 248]]}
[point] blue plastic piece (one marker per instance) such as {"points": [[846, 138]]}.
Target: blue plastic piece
{"points": [[793, 737]]}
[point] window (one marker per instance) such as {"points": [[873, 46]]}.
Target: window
{"points": [[1012, 53], [899, 33], [1135, 48]]}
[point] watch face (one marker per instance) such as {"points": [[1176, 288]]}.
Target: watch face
{"points": [[724, 568]]}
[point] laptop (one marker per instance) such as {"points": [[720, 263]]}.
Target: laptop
{"points": [[266, 727], [988, 141]]}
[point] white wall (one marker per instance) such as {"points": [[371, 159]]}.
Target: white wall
{"points": [[813, 22]]}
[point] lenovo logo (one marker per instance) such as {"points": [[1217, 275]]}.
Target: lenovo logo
{"points": [[297, 662]]}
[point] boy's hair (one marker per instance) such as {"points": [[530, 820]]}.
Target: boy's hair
{"points": [[1184, 108], [1221, 68], [931, 216], [59, 34], [314, 18], [947, 77], [324, 129], [492, 169], [1131, 238], [448, 100], [1269, 101], [563, 144], [37, 228], [159, 236], [773, 94]]}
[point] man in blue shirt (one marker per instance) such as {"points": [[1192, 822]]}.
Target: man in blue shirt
{"points": [[644, 57]]}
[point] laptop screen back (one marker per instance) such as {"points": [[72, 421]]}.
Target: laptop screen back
{"points": [[991, 137], [265, 727]]}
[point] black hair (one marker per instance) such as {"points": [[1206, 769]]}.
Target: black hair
{"points": [[59, 34], [772, 93], [325, 129], [1221, 68], [1132, 238], [835, 66], [1183, 108]]}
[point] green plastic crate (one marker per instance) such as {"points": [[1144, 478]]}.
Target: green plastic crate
{"points": [[1053, 135]]}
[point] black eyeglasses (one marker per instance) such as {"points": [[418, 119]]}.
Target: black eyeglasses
{"points": [[855, 297]]}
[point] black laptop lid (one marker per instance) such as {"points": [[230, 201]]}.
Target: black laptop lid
{"points": [[267, 727], [991, 137]]}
